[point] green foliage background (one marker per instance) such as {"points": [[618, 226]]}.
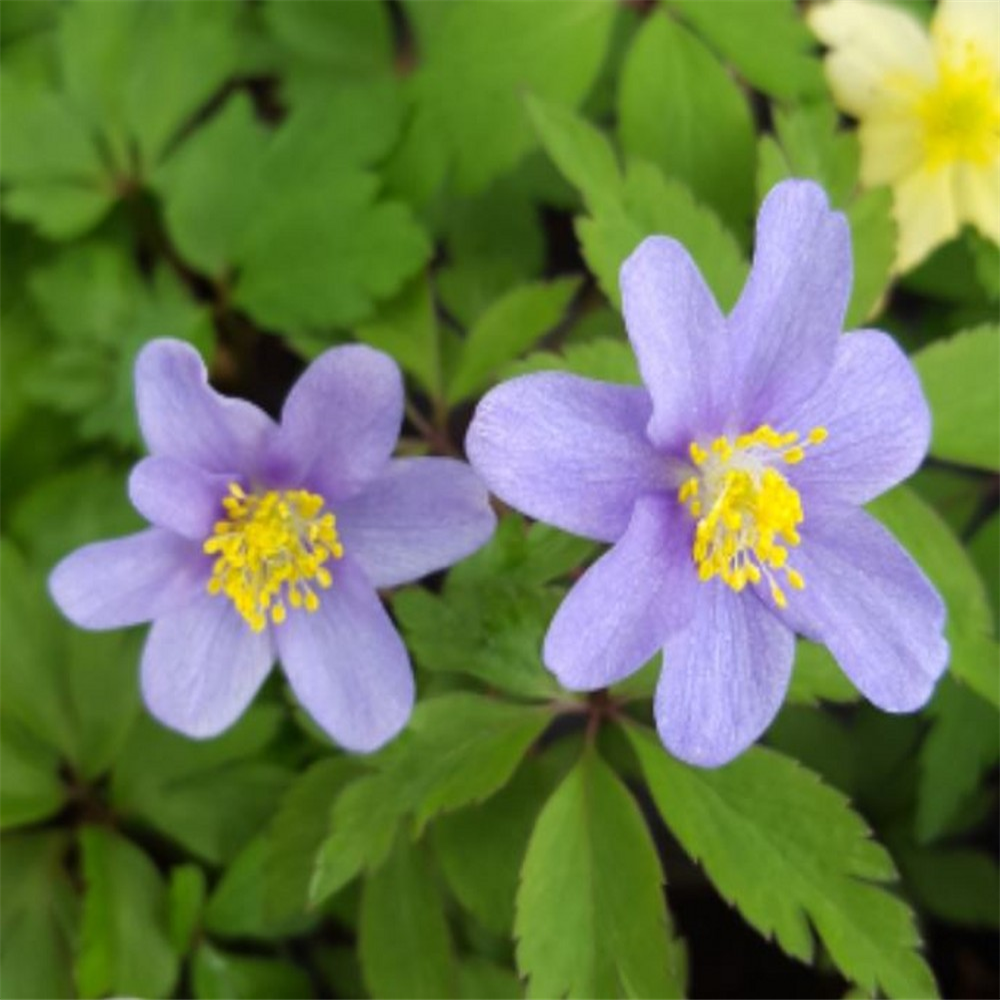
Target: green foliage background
{"points": [[457, 184]]}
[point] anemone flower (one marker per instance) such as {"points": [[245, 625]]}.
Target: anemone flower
{"points": [[730, 487], [269, 540]]}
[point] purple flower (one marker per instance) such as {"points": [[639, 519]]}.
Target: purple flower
{"points": [[730, 487], [269, 540]]}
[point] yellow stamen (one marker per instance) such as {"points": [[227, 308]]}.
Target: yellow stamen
{"points": [[960, 114], [752, 513], [270, 546]]}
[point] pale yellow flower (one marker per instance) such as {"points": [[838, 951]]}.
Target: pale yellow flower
{"points": [[929, 111]]}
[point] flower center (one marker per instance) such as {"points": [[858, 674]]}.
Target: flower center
{"points": [[961, 115], [747, 512], [271, 548]]}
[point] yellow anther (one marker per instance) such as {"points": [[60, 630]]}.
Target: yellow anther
{"points": [[746, 510], [270, 546]]}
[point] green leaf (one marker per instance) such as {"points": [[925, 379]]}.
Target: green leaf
{"points": [[342, 41], [49, 159], [238, 905], [124, 948], [679, 108], [958, 376], [407, 328], [76, 692], [788, 852], [363, 823], [969, 626], [210, 796], [605, 359], [459, 748], [582, 153], [785, 67], [38, 911], [956, 884], [481, 979], [591, 918], [809, 144], [985, 551], [817, 677], [102, 312], [506, 329], [498, 830], [403, 939], [962, 746], [625, 210], [469, 102], [30, 786], [221, 975], [133, 76], [494, 242], [873, 238], [654, 204], [295, 835], [185, 902], [328, 221]]}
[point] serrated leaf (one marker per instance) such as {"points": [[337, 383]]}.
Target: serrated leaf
{"points": [[959, 377], [606, 360], [789, 852], [962, 745], [654, 204], [124, 948], [132, 76], [581, 151], [38, 912], [704, 138], [506, 329], [469, 102], [497, 829], [459, 748], [221, 975], [403, 940], [786, 67], [295, 834], [210, 796], [328, 248], [984, 548], [102, 312], [591, 919], [969, 625]]}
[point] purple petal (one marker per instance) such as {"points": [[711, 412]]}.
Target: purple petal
{"points": [[619, 613], [568, 451], [870, 603], [416, 517], [202, 666], [784, 330], [679, 337], [340, 422], [879, 425], [346, 663], [182, 417], [724, 677], [180, 497], [128, 580]]}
